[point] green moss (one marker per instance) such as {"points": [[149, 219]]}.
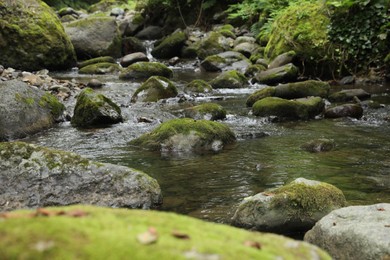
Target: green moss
{"points": [[146, 70], [106, 5], [227, 27], [207, 131], [51, 102], [156, 88], [26, 100], [303, 89], [105, 59], [252, 70], [100, 68], [102, 233], [171, 46], [302, 28], [286, 73], [227, 33], [260, 94], [198, 86], [229, 79], [32, 37], [211, 111]]}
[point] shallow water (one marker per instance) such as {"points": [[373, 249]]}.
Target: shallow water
{"points": [[210, 186]]}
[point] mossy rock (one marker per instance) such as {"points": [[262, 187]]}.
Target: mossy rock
{"points": [[208, 111], [229, 79], [100, 68], [105, 59], [34, 176], [142, 70], [131, 45], [227, 33], [93, 109], [213, 44], [80, 4], [282, 59], [304, 108], [228, 60], [186, 135], [106, 5], [88, 43], [295, 207], [86, 232], [198, 86], [301, 28], [254, 69], [345, 110], [319, 145], [283, 74], [349, 95], [154, 89], [32, 37], [171, 46], [303, 89], [25, 110], [260, 94]]}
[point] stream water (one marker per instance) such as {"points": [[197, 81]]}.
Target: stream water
{"points": [[211, 185]]}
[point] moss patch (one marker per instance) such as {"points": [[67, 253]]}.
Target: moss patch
{"points": [[51, 102], [260, 94], [101, 233], [303, 89], [210, 111], [229, 79], [198, 86]]}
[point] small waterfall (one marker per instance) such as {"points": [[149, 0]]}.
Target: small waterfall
{"points": [[149, 45]]}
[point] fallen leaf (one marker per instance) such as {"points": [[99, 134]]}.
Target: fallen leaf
{"points": [[180, 235], [253, 244], [380, 209], [148, 237]]}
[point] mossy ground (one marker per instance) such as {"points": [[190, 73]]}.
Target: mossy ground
{"points": [[86, 232]]}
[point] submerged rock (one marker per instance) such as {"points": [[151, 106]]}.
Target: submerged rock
{"points": [[208, 111], [25, 110], [295, 207], [319, 145], [32, 37], [304, 108], [283, 74], [229, 79], [348, 95], [302, 89], [198, 86], [186, 135], [93, 109], [355, 232], [171, 46], [88, 43], [141, 70], [154, 89], [346, 110], [34, 176], [71, 232]]}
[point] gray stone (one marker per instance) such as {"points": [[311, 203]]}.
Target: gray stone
{"points": [[133, 58], [356, 232], [33, 177], [150, 33], [246, 48], [348, 95], [346, 110], [282, 59], [229, 60], [283, 74], [229, 79]]}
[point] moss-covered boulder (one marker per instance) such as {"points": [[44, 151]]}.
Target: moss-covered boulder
{"points": [[319, 145], [345, 110], [154, 89], [25, 110], [32, 37], [303, 89], [246, 48], [106, 6], [170, 46], [295, 207], [229, 60], [254, 69], [93, 109], [88, 43], [301, 28], [100, 68], [212, 44], [303, 108], [208, 111], [144, 70], [34, 176], [86, 232], [283, 74], [282, 59], [349, 94], [198, 86], [104, 59], [260, 94], [186, 135], [131, 45], [229, 79]]}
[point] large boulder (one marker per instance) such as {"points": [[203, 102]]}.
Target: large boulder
{"points": [[25, 110], [150, 33], [154, 89], [304, 108], [93, 109], [282, 59], [228, 60], [302, 89], [212, 44], [34, 176], [295, 207], [142, 70], [171, 46], [356, 232], [32, 37], [86, 232], [345, 110], [208, 111], [186, 135], [246, 48], [283, 74], [88, 43], [131, 45], [260, 94], [229, 79], [348, 95]]}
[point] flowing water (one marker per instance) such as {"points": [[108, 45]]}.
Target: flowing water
{"points": [[210, 186]]}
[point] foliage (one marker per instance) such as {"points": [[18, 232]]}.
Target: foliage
{"points": [[360, 33]]}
